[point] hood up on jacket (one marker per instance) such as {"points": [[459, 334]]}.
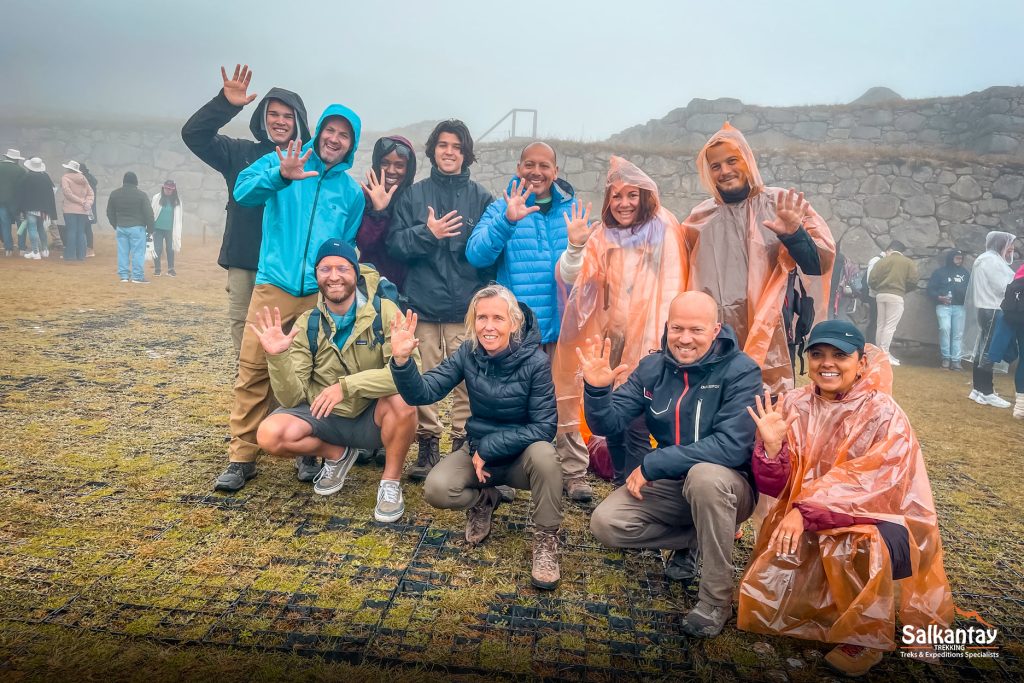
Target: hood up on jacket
{"points": [[258, 122], [410, 173], [952, 254], [622, 172], [734, 139], [357, 127]]}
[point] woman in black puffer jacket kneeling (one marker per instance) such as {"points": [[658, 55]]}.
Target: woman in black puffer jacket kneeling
{"points": [[512, 421]]}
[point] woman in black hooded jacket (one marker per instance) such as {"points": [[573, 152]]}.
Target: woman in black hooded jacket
{"points": [[512, 421]]}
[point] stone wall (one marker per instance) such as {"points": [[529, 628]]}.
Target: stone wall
{"points": [[986, 122]]}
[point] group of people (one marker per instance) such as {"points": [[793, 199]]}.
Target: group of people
{"points": [[141, 221], [356, 307]]}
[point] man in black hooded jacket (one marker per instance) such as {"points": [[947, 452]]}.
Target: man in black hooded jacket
{"points": [[279, 118], [948, 287], [691, 492]]}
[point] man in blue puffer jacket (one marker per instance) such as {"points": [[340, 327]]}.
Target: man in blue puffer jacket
{"points": [[525, 233], [308, 198]]}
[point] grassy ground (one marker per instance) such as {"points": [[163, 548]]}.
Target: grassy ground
{"points": [[118, 563]]}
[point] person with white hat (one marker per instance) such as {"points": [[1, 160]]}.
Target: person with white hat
{"points": [[78, 201], [35, 200], [11, 175]]}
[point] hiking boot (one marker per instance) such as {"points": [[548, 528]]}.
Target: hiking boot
{"points": [[993, 399], [508, 494], [363, 455], [578, 490], [234, 477], [390, 505], [1018, 407], [945, 363], [853, 660], [428, 456], [307, 466], [478, 517], [705, 620], [457, 443], [545, 573], [681, 565], [332, 476]]}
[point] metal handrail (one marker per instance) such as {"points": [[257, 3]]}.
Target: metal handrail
{"points": [[514, 114]]}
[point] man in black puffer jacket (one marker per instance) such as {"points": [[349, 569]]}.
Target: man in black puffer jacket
{"points": [[431, 226], [512, 421], [691, 492], [279, 118]]}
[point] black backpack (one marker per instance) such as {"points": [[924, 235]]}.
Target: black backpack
{"points": [[386, 289], [797, 318], [1013, 304]]}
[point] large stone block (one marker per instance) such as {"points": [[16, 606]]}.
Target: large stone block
{"points": [[865, 133], [810, 130], [845, 208], [1008, 186], [859, 246], [875, 184], [778, 115], [968, 237], [847, 187], [919, 205], [966, 188], [991, 206], [875, 117], [705, 123], [918, 232], [905, 187], [910, 121], [881, 206], [954, 211]]}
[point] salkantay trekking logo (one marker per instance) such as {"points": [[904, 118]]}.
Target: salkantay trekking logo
{"points": [[960, 642]]}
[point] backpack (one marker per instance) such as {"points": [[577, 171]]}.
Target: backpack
{"points": [[797, 318], [386, 289], [1013, 304]]}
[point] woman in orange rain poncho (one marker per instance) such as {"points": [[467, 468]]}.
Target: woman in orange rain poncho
{"points": [[854, 517], [625, 273], [744, 242]]}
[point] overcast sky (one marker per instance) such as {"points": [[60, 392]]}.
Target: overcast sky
{"points": [[590, 68]]}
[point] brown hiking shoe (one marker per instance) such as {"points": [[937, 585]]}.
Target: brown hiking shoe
{"points": [[478, 517], [578, 490], [428, 455], [545, 572]]}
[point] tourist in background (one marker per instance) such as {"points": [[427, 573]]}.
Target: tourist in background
{"points": [[166, 226], [990, 275], [948, 287], [131, 215], [1013, 315], [77, 207], [892, 277], [11, 175], [93, 183], [36, 201]]}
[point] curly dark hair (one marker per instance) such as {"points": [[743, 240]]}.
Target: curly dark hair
{"points": [[459, 130]]}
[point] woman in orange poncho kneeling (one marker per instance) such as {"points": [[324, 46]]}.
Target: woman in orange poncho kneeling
{"points": [[855, 517]]}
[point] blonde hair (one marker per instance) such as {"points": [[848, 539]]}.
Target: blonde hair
{"points": [[515, 313]]}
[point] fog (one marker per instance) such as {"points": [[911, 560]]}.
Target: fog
{"points": [[590, 68]]}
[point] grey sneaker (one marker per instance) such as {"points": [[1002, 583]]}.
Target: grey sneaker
{"points": [[705, 620], [682, 565], [235, 476], [945, 362], [390, 505], [332, 476], [545, 573], [955, 366], [307, 466], [578, 490], [428, 456], [478, 517]]}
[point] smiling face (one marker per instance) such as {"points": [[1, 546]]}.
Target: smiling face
{"points": [[335, 140], [537, 166], [692, 326], [394, 169], [728, 170], [280, 122], [493, 325], [336, 279], [833, 370], [448, 154], [624, 203]]}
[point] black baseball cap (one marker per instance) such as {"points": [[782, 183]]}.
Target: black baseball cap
{"points": [[838, 333]]}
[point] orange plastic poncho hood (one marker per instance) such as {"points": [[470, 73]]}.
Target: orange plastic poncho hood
{"points": [[628, 279], [744, 266], [857, 456]]}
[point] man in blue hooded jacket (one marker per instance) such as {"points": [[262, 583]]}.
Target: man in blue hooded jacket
{"points": [[308, 198], [525, 233]]}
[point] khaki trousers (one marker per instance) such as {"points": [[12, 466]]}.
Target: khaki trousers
{"points": [[702, 511], [239, 289], [437, 342], [452, 483], [252, 386]]}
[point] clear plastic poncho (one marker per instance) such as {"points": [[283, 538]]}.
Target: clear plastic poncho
{"points": [[858, 456], [989, 276], [744, 267], [628, 279]]}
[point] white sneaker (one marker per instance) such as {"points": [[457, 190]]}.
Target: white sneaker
{"points": [[32, 255], [994, 400], [1018, 407], [46, 253], [332, 475], [893, 360], [390, 504]]}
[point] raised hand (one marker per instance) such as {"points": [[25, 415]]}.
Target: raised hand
{"points": [[517, 209], [790, 209], [578, 225], [270, 334], [236, 86], [325, 401], [771, 423], [595, 362], [403, 337], [446, 226], [374, 187], [292, 164]]}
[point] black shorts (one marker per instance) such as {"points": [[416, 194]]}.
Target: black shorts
{"points": [[358, 432]]}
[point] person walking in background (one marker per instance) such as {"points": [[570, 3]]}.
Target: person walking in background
{"points": [[93, 183], [1013, 315], [37, 202], [948, 287], [990, 275], [77, 207], [11, 175], [131, 216], [166, 226], [892, 277]]}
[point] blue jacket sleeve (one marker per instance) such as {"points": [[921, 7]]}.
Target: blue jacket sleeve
{"points": [[490, 236], [431, 387], [260, 181], [505, 445], [409, 239], [354, 219], [610, 412], [730, 443]]}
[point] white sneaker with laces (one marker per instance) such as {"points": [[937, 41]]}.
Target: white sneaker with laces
{"points": [[893, 360], [332, 475], [390, 504], [975, 396], [994, 400]]}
